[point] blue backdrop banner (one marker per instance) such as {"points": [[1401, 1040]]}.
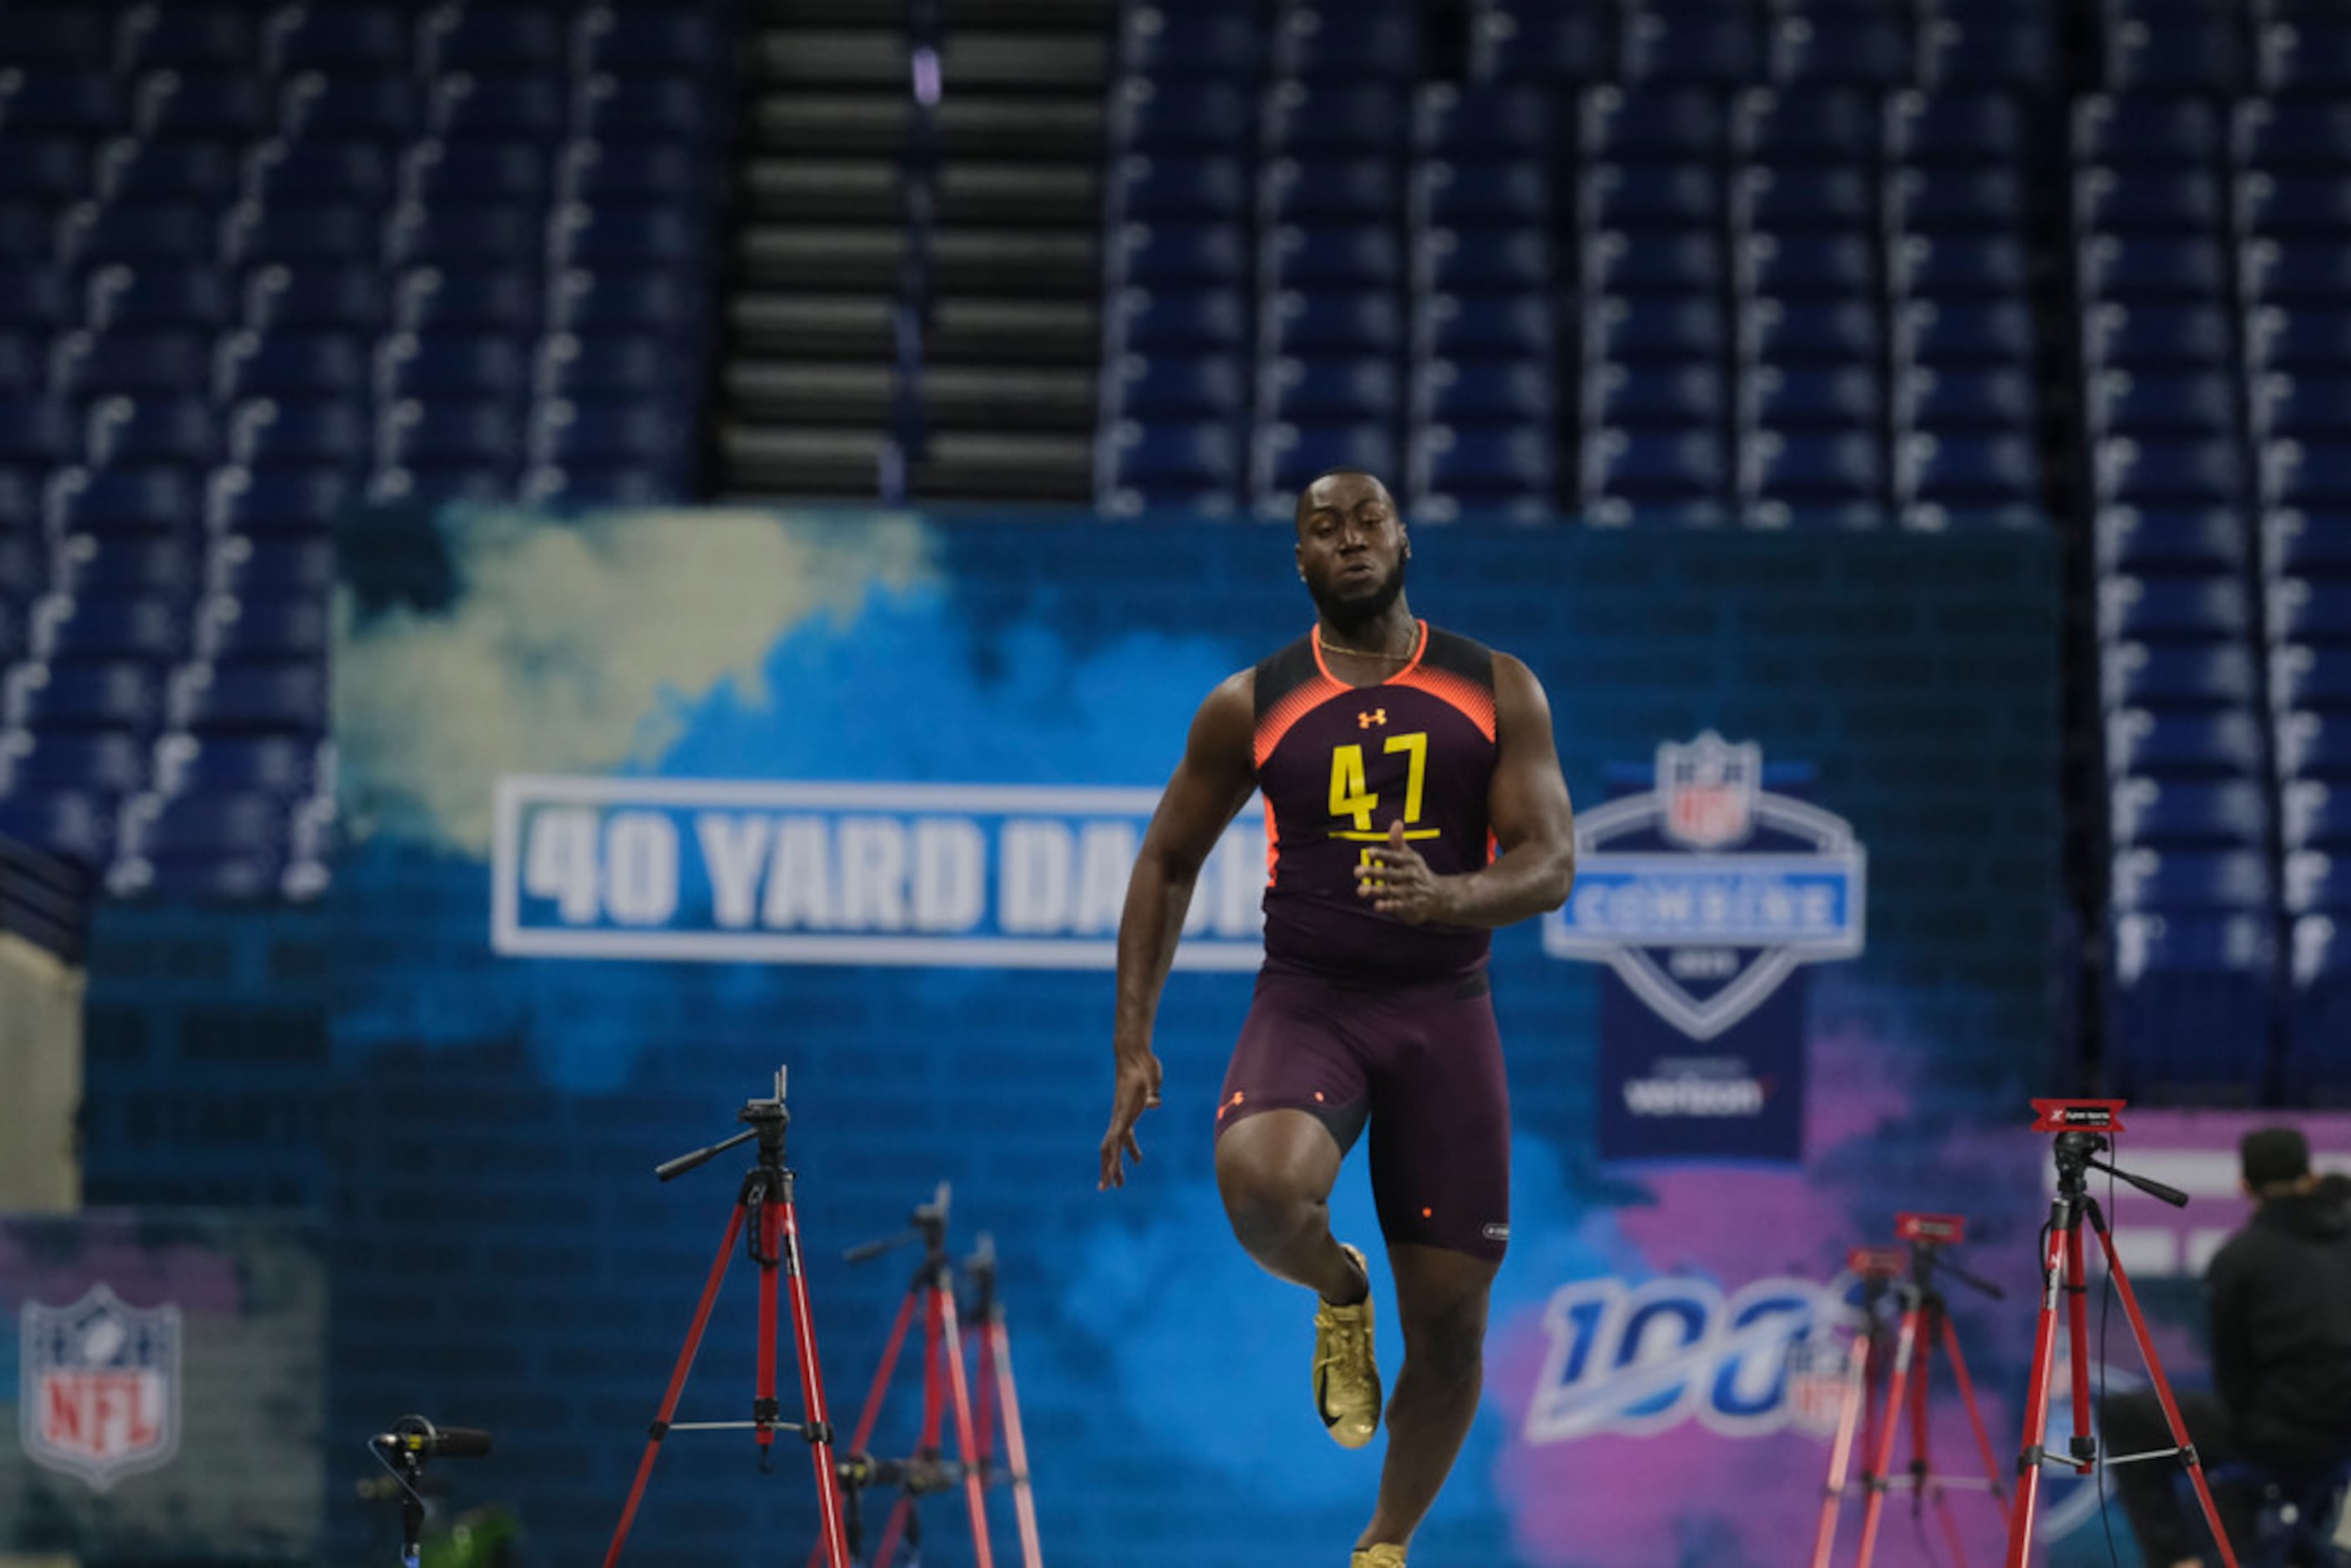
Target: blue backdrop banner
{"points": [[640, 805]]}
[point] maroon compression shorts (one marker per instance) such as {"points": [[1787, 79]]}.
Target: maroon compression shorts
{"points": [[1422, 1063]]}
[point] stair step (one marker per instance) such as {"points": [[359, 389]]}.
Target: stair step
{"points": [[1067, 194], [780, 256], [821, 190], [787, 392], [993, 397], [762, 461], [830, 56], [1018, 260], [815, 326], [1067, 128], [1028, 59], [1005, 467], [1014, 332]]}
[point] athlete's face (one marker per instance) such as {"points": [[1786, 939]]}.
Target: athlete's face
{"points": [[1351, 547]]}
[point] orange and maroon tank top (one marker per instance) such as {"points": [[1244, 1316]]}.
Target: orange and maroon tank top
{"points": [[1338, 765]]}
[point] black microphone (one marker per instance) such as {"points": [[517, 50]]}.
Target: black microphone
{"points": [[414, 1437]]}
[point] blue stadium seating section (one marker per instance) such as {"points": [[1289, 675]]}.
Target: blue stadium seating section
{"points": [[261, 262], [1708, 264]]}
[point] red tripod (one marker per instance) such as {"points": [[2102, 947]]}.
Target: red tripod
{"points": [[1925, 1321], [766, 1202], [995, 1388], [2081, 1126], [1857, 1385], [944, 1383]]}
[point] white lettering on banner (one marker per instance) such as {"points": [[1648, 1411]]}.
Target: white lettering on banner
{"points": [[1027, 876], [1641, 1359], [1694, 1096]]}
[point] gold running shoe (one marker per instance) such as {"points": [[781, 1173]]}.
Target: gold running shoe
{"points": [[1346, 1379], [1383, 1555]]}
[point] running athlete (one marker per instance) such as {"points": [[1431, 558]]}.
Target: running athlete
{"points": [[1413, 802]]}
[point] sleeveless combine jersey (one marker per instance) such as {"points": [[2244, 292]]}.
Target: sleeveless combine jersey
{"points": [[1338, 765]]}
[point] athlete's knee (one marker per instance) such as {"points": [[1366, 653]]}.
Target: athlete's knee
{"points": [[1449, 1344], [1267, 1216]]}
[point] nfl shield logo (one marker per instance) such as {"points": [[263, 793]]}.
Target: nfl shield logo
{"points": [[100, 1397], [1709, 790]]}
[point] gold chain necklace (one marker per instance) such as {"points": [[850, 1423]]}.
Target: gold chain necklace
{"points": [[1331, 647]]}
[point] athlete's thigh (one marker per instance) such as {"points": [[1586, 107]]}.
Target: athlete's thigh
{"points": [[1441, 1124]]}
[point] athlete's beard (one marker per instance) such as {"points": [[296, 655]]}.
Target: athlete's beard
{"points": [[1350, 615]]}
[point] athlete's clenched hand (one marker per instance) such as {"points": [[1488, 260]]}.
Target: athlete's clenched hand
{"points": [[1398, 881], [1135, 1091]]}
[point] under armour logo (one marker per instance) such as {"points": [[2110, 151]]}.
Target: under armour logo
{"points": [[1374, 715]]}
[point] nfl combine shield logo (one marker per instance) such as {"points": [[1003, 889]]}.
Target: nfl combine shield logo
{"points": [[101, 1388], [1709, 787]]}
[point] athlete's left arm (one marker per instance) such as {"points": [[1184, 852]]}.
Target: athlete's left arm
{"points": [[1527, 809]]}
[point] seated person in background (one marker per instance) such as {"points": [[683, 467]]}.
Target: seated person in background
{"points": [[2279, 1292]]}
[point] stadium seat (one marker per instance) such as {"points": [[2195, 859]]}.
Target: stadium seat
{"points": [[1671, 126], [1335, 117], [1684, 397], [1163, 463], [276, 697], [2137, 674], [1472, 327], [2180, 52], [1481, 260], [2297, 270], [1161, 188], [1494, 192], [1811, 331], [76, 823], [1285, 458], [2310, 476], [1966, 128], [1354, 255], [2293, 205], [1193, 117], [2295, 545], [1329, 190], [1175, 42], [2149, 401], [238, 500], [2283, 134], [652, 41], [2302, 610], [2185, 744], [1988, 48], [1535, 43], [1677, 474], [1691, 47], [1797, 397], [150, 627], [1472, 392], [1843, 49], [2313, 746], [1486, 122], [1685, 262], [110, 693], [2314, 816], [1330, 390], [1809, 265], [2317, 883], [267, 765], [1966, 479], [1798, 198], [2307, 57], [127, 501], [2158, 268], [2188, 1005], [522, 40], [2175, 813], [2130, 541], [1791, 475], [1174, 385], [2175, 610], [2309, 405], [626, 109], [1183, 254], [1372, 40], [1474, 464], [1184, 319], [1958, 267], [1674, 196], [1954, 399], [1331, 321], [2191, 881], [2312, 677], [2168, 472], [454, 366], [1684, 328], [2167, 131], [98, 763]]}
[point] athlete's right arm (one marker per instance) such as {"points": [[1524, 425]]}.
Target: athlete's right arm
{"points": [[1209, 787]]}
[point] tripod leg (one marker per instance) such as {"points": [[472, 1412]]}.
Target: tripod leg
{"points": [[2078, 1309], [1874, 1508], [975, 1494], [926, 1445], [676, 1386], [1922, 1463], [1975, 1411], [2163, 1390], [2036, 1404], [1016, 1443], [1841, 1449], [784, 1222]]}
